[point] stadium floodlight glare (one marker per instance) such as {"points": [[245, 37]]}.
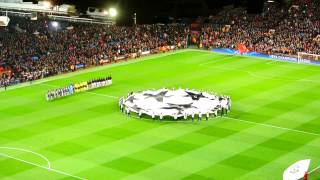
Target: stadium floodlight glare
{"points": [[55, 24], [113, 12], [105, 12], [47, 4]]}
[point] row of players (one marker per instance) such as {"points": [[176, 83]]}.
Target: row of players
{"points": [[93, 84], [78, 87], [223, 108]]}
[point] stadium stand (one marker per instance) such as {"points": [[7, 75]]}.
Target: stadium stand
{"points": [[34, 49], [276, 31]]}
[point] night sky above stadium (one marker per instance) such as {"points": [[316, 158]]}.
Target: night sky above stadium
{"points": [[151, 11]]}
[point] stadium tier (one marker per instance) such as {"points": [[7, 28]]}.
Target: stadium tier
{"points": [[49, 47]]}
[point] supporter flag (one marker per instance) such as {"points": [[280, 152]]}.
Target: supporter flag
{"points": [[242, 48], [297, 170]]}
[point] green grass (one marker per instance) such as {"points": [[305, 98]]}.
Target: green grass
{"points": [[275, 121]]}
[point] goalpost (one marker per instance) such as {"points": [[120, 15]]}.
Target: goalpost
{"points": [[307, 56]]}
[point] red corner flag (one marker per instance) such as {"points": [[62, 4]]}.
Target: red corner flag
{"points": [[305, 177]]}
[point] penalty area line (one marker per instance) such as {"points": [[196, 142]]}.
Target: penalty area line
{"points": [[43, 167], [272, 126]]}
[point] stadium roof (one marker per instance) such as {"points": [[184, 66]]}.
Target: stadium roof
{"points": [[160, 11]]}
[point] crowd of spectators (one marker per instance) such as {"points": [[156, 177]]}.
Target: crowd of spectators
{"points": [[278, 30], [32, 50], [35, 49]]}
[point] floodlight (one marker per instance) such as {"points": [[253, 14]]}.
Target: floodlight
{"points": [[55, 24], [270, 1], [113, 12], [105, 12], [47, 4]]}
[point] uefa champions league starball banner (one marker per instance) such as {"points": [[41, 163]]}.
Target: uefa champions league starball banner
{"points": [[174, 103]]}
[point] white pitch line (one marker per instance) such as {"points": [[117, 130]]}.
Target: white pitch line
{"points": [[28, 151], [318, 167], [254, 74], [98, 68], [216, 60], [266, 77], [43, 167], [263, 58], [272, 126], [104, 95], [272, 61]]}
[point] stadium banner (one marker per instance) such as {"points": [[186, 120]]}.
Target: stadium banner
{"points": [[104, 61], [284, 58], [133, 55], [296, 170], [309, 61], [120, 57], [79, 66], [145, 52], [262, 55], [256, 54], [224, 50], [164, 48]]}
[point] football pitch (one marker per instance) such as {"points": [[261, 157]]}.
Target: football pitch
{"points": [[274, 122]]}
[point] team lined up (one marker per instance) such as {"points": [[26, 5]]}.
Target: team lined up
{"points": [[78, 87]]}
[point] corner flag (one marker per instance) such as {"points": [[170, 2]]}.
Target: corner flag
{"points": [[297, 170]]}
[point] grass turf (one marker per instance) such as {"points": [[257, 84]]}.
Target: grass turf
{"points": [[274, 122]]}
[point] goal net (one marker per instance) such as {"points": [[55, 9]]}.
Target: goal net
{"points": [[307, 56]]}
